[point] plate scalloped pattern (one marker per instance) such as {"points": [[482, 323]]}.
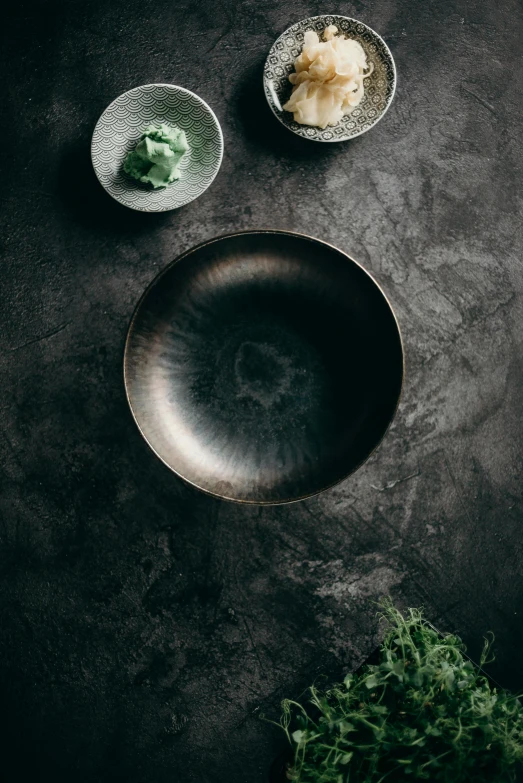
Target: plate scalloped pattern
{"points": [[120, 127]]}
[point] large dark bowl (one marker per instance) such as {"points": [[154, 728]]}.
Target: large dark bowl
{"points": [[264, 366]]}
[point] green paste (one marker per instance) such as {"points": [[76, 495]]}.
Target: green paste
{"points": [[156, 158]]}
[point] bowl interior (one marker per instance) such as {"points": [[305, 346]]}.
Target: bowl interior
{"points": [[120, 127], [263, 367], [379, 86]]}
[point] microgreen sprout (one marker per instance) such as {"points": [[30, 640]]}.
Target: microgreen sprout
{"points": [[423, 711]]}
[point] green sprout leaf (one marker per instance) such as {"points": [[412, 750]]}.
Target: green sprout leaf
{"points": [[423, 712]]}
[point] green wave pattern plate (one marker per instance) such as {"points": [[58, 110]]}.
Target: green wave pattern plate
{"points": [[120, 127]]}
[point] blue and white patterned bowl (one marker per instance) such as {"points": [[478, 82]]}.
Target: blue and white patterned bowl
{"points": [[119, 129], [379, 86]]}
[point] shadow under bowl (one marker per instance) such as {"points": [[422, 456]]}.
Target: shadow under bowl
{"points": [[263, 367]]}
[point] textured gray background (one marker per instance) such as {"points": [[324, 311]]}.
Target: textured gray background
{"points": [[143, 626]]}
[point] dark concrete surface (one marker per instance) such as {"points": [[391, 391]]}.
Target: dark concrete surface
{"points": [[143, 626]]}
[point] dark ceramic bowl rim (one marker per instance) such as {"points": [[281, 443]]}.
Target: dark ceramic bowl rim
{"points": [[186, 254]]}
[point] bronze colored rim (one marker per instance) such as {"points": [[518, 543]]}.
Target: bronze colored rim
{"points": [[212, 241]]}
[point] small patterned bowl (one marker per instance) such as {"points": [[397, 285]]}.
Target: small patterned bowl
{"points": [[120, 127], [379, 87]]}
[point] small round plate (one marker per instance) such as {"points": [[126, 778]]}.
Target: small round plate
{"points": [[263, 367], [379, 86], [119, 129]]}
